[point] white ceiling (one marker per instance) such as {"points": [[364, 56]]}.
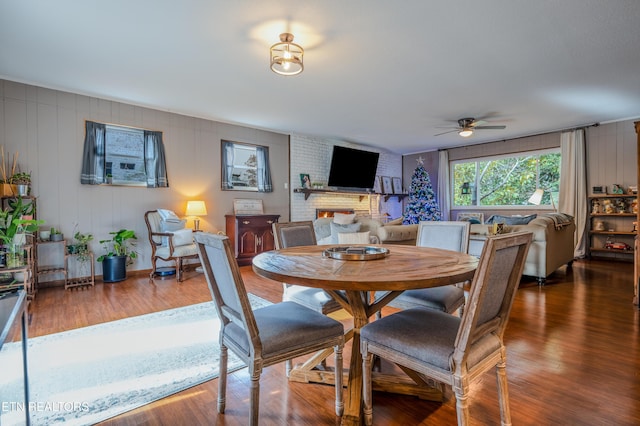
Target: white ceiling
{"points": [[377, 72]]}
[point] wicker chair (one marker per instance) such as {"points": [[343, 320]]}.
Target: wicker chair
{"points": [[266, 336], [450, 349]]}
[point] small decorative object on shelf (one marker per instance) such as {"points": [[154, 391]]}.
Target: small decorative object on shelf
{"points": [[305, 181], [56, 235], [614, 245], [617, 189], [595, 206], [599, 189]]}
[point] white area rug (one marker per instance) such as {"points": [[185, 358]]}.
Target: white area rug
{"points": [[84, 376]]}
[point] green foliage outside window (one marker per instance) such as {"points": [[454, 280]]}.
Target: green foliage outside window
{"points": [[506, 180]]}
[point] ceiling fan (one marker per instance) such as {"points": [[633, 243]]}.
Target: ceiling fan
{"points": [[466, 127]]}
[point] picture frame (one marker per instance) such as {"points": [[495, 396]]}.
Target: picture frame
{"points": [[243, 206], [599, 189], [377, 186], [305, 181], [471, 215], [387, 187], [397, 185]]}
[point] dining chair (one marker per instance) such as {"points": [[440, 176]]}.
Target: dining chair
{"points": [[294, 234], [449, 349], [448, 235], [266, 336]]}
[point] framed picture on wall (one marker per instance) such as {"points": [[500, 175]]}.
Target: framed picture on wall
{"points": [[377, 186], [397, 185], [387, 187], [305, 181]]}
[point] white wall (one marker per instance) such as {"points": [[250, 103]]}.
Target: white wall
{"points": [[46, 128]]}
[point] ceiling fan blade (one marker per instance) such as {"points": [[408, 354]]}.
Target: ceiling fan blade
{"points": [[490, 127], [477, 123], [448, 131]]}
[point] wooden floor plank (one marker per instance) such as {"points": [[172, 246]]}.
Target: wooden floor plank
{"points": [[573, 355]]}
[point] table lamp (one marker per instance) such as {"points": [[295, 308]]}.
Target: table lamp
{"points": [[196, 209]]}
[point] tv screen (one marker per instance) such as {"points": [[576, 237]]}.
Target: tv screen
{"points": [[352, 168]]}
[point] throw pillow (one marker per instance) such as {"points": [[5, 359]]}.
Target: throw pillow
{"points": [[354, 237], [397, 221], [511, 220], [168, 215], [166, 226], [182, 237], [343, 218], [336, 229]]}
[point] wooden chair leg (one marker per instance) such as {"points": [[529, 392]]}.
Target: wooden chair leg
{"points": [[462, 402], [366, 389], [179, 269], [153, 268], [503, 393], [254, 401], [338, 379], [222, 380]]}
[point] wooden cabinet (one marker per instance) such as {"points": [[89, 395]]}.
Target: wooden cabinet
{"points": [[611, 230], [250, 235]]}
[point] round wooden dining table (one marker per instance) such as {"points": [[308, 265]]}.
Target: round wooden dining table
{"points": [[351, 283]]}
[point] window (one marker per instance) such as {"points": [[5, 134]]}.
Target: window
{"points": [[507, 180], [123, 156], [245, 167]]}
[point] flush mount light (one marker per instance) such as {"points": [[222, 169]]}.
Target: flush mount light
{"points": [[466, 132], [286, 56]]}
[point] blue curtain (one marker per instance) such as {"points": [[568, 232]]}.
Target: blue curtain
{"points": [[154, 160], [227, 165], [92, 172], [264, 171]]}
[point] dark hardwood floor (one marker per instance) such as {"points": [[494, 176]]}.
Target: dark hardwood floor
{"points": [[573, 356]]}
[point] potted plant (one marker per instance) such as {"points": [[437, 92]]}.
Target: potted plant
{"points": [[13, 227], [80, 248], [119, 252], [22, 181], [56, 235]]}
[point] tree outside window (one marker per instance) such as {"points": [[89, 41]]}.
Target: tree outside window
{"points": [[506, 180]]}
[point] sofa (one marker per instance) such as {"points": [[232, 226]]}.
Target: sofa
{"points": [[552, 246], [374, 230]]}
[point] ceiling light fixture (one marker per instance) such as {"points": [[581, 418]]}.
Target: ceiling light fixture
{"points": [[286, 56], [465, 132]]}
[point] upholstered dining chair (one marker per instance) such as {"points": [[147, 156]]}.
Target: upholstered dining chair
{"points": [[448, 235], [450, 349], [170, 240], [294, 234], [266, 336]]}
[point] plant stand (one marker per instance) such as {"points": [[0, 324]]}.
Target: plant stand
{"points": [[82, 281]]}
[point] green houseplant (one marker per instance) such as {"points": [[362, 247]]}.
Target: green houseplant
{"points": [[13, 227], [119, 251]]}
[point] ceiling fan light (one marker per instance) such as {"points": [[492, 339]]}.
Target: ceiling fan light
{"points": [[466, 132], [286, 56]]}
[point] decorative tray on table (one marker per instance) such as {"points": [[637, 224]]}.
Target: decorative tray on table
{"points": [[356, 253]]}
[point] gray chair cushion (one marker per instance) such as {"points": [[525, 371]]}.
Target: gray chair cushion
{"points": [[286, 326], [313, 298], [446, 298]]}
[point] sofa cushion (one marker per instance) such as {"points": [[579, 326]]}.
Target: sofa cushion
{"points": [[511, 220], [354, 237], [338, 229], [344, 218]]}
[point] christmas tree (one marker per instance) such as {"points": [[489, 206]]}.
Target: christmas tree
{"points": [[422, 203]]}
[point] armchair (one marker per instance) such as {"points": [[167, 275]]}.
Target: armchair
{"points": [[169, 240]]}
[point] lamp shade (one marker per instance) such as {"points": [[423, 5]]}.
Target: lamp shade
{"points": [[536, 197], [466, 132], [196, 208], [286, 56]]}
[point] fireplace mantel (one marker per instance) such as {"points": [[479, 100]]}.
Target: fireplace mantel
{"points": [[308, 192]]}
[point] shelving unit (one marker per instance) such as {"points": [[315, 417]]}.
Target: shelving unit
{"points": [[57, 268], [618, 225], [10, 275], [83, 280], [308, 192]]}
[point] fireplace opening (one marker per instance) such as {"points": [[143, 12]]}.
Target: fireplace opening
{"points": [[331, 212]]}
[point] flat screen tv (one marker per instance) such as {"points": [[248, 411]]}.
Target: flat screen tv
{"points": [[353, 169]]}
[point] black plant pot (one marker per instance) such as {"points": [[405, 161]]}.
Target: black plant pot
{"points": [[114, 269]]}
